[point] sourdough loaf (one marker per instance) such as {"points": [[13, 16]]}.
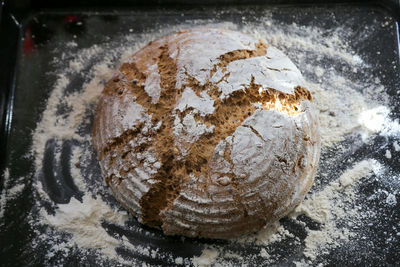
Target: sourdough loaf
{"points": [[207, 133]]}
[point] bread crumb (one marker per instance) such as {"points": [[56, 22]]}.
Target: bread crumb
{"points": [[76, 66], [179, 260], [396, 146], [319, 71], [388, 155], [264, 253], [207, 257], [71, 44], [391, 199]]}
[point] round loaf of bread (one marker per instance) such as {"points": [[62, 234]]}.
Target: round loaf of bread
{"points": [[207, 133]]}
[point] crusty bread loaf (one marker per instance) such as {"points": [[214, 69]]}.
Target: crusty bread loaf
{"points": [[207, 133]]}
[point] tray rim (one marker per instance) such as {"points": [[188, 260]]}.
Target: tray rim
{"points": [[20, 28]]}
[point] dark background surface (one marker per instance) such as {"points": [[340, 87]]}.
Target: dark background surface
{"points": [[18, 16]]}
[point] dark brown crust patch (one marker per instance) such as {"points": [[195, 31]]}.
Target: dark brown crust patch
{"points": [[168, 186]]}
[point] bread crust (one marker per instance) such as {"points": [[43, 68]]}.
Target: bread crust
{"points": [[207, 133]]}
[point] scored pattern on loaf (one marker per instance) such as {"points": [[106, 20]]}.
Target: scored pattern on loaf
{"points": [[189, 140]]}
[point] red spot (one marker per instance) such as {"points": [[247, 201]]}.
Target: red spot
{"points": [[70, 19], [28, 42]]}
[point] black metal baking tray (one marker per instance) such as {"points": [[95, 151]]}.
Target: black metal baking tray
{"points": [[25, 82]]}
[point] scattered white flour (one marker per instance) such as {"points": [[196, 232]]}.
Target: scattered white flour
{"points": [[76, 159], [204, 104], [7, 193], [377, 120], [152, 84], [328, 207], [358, 171], [348, 106], [83, 221], [3, 195], [14, 191], [272, 233]]}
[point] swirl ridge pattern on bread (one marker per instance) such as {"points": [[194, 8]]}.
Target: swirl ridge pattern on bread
{"points": [[207, 133]]}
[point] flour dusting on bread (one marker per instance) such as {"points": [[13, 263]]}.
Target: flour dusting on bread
{"points": [[236, 129]]}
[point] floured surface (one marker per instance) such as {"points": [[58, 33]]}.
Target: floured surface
{"points": [[356, 188]]}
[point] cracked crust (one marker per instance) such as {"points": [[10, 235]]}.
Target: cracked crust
{"points": [[185, 152]]}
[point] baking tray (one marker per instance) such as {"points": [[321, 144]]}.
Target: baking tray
{"points": [[27, 78]]}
